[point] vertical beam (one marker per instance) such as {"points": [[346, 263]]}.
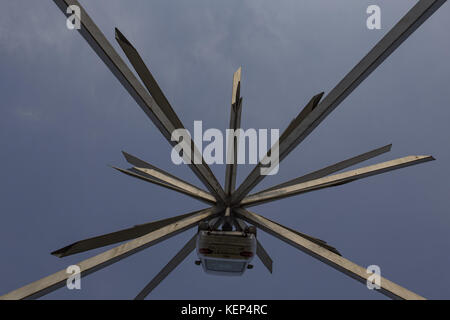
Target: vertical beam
{"points": [[227, 220], [264, 256], [88, 266], [170, 266], [235, 123], [339, 263], [382, 50]]}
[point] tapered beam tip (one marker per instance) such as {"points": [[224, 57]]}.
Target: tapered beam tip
{"points": [[121, 37]]}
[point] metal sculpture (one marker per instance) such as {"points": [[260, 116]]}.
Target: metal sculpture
{"points": [[227, 206]]}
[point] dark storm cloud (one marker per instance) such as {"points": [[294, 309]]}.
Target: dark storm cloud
{"points": [[64, 117]]}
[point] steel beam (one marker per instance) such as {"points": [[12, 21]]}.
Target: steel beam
{"points": [[161, 116], [88, 266], [341, 264], [260, 251], [333, 168], [116, 237], [202, 196], [161, 100], [239, 223], [317, 241], [333, 180], [255, 176], [136, 162], [155, 173], [147, 78], [235, 123], [159, 174], [383, 49], [170, 266], [264, 256]]}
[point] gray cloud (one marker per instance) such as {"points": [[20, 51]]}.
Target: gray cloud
{"points": [[57, 189]]}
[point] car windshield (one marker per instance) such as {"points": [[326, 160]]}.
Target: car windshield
{"points": [[224, 266]]}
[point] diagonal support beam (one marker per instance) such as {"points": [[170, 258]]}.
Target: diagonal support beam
{"points": [[57, 280], [284, 143], [116, 237], [160, 115], [171, 265], [334, 180], [157, 174], [341, 264], [260, 251], [333, 168], [147, 78], [161, 100], [382, 50], [233, 138], [161, 175], [202, 196], [317, 241], [264, 256]]}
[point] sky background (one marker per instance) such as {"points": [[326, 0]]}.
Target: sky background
{"points": [[64, 117]]}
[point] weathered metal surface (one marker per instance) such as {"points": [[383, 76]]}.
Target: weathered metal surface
{"points": [[264, 256], [341, 264], [383, 49], [317, 241], [170, 266], [155, 172], [235, 123], [260, 251], [88, 266], [202, 196], [255, 176], [178, 183], [118, 236], [161, 100], [159, 116], [334, 180], [333, 168], [147, 79]]}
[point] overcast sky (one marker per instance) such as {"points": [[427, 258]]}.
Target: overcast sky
{"points": [[64, 117]]}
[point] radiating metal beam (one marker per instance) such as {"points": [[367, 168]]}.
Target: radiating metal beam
{"points": [[391, 41], [136, 162], [155, 173], [333, 168], [333, 180], [264, 256], [147, 78], [132, 172], [161, 100], [341, 264], [58, 280], [159, 174], [116, 237], [260, 251], [315, 240], [239, 223], [170, 266], [283, 142], [235, 123], [161, 116], [217, 223]]}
